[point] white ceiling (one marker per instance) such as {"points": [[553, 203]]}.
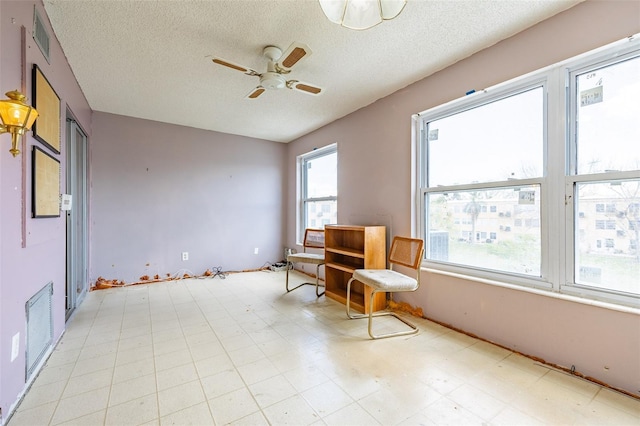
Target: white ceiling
{"points": [[151, 59]]}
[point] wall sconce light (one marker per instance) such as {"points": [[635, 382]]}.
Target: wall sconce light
{"points": [[361, 14], [17, 117]]}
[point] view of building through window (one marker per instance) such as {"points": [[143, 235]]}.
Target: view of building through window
{"points": [[607, 234], [540, 178], [607, 212], [319, 188], [496, 225], [495, 229]]}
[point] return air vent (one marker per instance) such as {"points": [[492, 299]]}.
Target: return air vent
{"points": [[40, 34], [39, 327]]}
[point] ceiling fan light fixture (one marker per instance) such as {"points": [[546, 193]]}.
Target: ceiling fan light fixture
{"points": [[272, 81], [361, 14]]}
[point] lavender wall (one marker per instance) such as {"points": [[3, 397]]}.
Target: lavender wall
{"points": [[374, 186], [159, 190], [29, 261]]}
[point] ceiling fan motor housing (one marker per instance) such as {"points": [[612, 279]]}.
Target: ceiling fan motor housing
{"points": [[272, 81]]}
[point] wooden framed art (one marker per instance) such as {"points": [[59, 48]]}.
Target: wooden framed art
{"points": [[46, 129], [45, 201]]}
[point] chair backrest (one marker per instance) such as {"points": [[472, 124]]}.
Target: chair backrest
{"points": [[406, 252], [313, 238]]}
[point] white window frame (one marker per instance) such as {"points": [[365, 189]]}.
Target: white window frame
{"points": [[610, 55], [496, 93], [557, 211], [302, 161]]}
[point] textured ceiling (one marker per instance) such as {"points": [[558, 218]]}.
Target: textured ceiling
{"points": [[151, 59]]}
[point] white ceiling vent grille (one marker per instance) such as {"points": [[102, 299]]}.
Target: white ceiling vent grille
{"points": [[40, 34]]}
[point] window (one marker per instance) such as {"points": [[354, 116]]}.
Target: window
{"points": [[604, 163], [318, 189], [554, 144], [479, 156]]}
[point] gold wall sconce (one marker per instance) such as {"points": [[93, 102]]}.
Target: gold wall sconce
{"points": [[17, 117]]}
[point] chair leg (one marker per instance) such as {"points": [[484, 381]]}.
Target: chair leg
{"points": [[317, 283], [370, 315], [349, 314], [413, 329]]}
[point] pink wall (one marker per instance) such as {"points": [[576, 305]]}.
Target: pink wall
{"points": [[159, 190], [26, 269], [374, 186]]}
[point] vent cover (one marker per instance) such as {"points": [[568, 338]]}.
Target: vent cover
{"points": [[39, 327], [40, 34]]}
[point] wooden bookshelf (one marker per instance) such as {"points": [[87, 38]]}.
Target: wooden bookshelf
{"points": [[346, 249]]}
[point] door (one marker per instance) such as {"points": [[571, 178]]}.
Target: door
{"points": [[77, 245]]}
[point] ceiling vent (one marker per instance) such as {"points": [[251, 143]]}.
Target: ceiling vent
{"points": [[40, 34]]}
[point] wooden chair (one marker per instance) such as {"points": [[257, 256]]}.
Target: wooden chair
{"points": [[314, 239], [404, 251]]}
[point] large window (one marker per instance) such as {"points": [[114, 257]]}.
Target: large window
{"points": [[318, 194], [484, 166], [537, 181]]}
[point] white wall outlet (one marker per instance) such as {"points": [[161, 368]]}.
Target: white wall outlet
{"points": [[255, 250], [185, 255], [15, 346]]}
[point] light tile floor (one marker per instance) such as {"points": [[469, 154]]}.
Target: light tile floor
{"points": [[239, 350]]}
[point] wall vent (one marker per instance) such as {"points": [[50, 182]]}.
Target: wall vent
{"points": [[40, 34], [39, 327]]}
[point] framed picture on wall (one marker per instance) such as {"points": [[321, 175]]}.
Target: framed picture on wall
{"points": [[45, 200], [46, 128]]}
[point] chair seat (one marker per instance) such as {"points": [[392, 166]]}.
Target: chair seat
{"points": [[317, 259], [385, 279]]}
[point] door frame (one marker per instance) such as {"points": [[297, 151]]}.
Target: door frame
{"points": [[77, 229]]}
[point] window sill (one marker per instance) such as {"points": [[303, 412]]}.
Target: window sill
{"points": [[551, 294]]}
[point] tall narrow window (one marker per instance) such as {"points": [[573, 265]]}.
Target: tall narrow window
{"points": [[318, 198], [605, 160]]}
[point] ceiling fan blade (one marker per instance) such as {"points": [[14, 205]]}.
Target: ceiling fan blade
{"points": [[236, 67], [307, 88], [255, 92], [295, 53]]}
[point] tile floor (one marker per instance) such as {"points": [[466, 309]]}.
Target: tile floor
{"points": [[239, 350]]}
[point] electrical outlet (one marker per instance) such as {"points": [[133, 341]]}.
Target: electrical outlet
{"points": [[255, 250], [185, 255], [15, 346]]}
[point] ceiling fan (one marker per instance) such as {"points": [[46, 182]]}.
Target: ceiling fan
{"points": [[279, 65]]}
